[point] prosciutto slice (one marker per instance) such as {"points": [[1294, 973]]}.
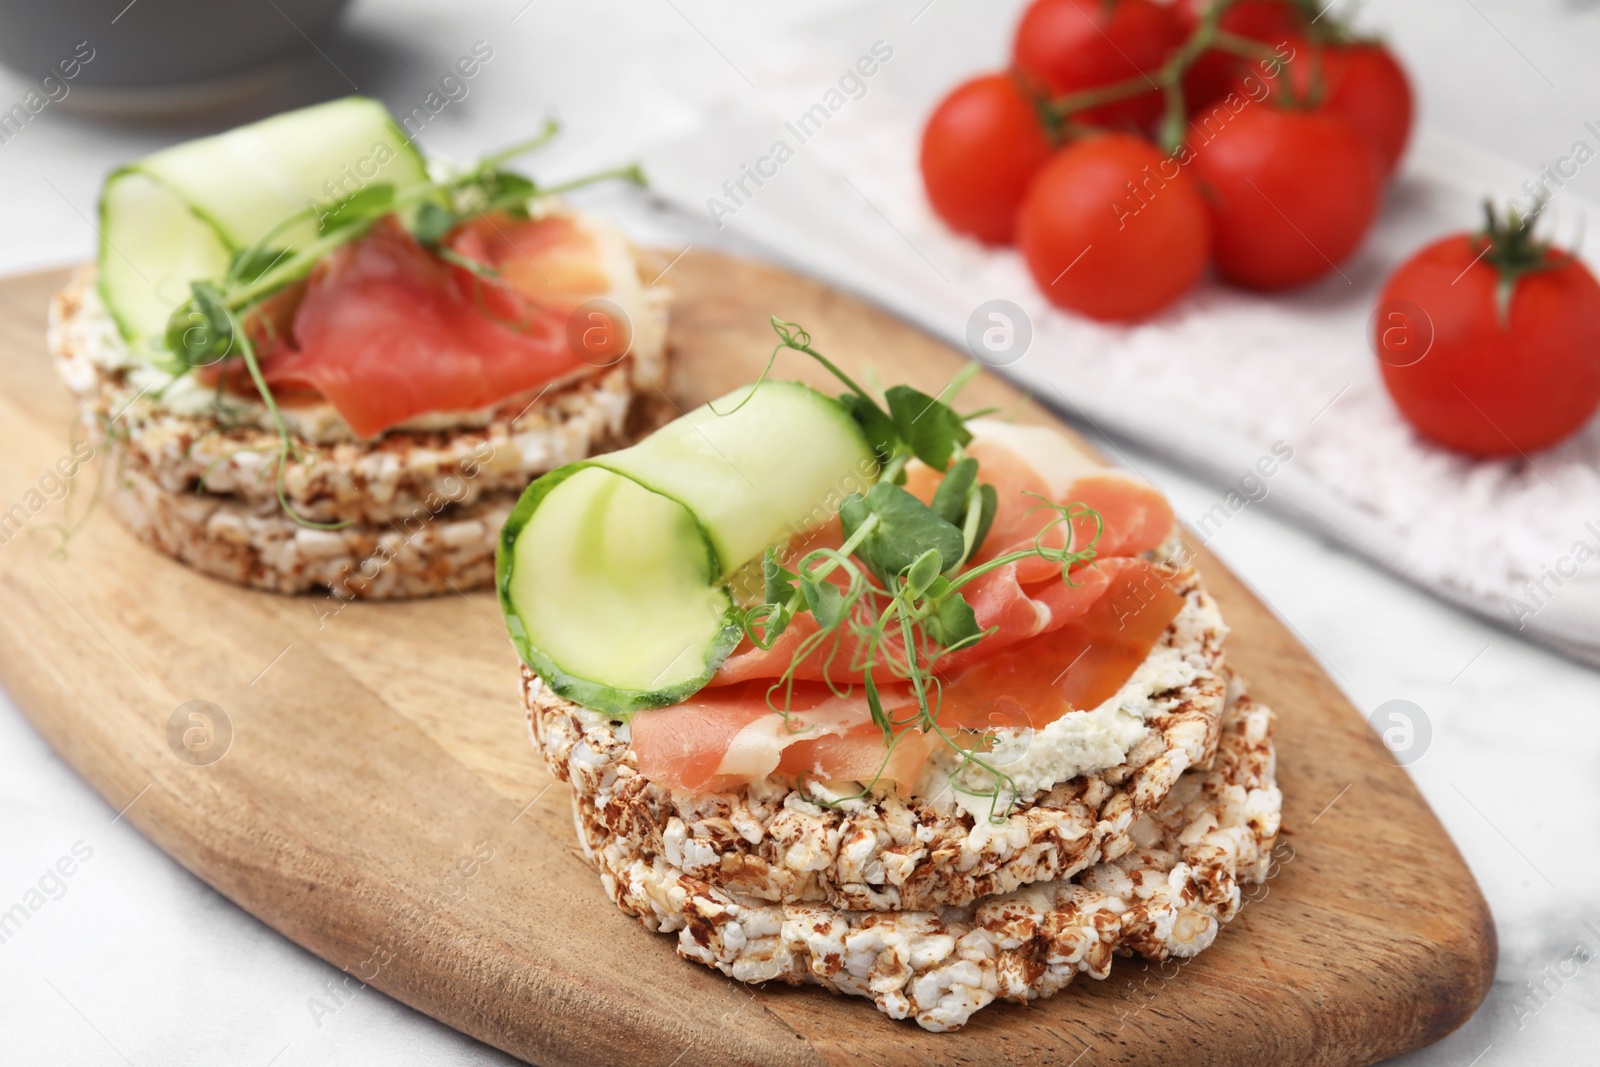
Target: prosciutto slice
{"points": [[1076, 666], [726, 736], [1059, 646], [1020, 600], [386, 330]]}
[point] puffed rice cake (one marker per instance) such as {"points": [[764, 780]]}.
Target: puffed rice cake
{"points": [[1165, 896], [419, 509]]}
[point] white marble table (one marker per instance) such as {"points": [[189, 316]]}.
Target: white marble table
{"points": [[134, 961]]}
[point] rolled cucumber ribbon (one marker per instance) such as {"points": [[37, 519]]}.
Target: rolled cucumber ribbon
{"points": [[614, 572]]}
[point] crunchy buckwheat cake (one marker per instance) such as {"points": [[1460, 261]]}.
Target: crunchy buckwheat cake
{"points": [[309, 372], [231, 450], [891, 852], [421, 506], [1165, 895], [876, 697], [265, 549]]}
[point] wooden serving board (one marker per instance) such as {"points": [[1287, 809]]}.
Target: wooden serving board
{"points": [[380, 803]]}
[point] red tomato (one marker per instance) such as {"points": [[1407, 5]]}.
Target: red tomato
{"points": [[980, 149], [1482, 377], [1071, 45], [1212, 76], [1113, 228], [1366, 85], [1361, 82], [1300, 58], [1291, 194]]}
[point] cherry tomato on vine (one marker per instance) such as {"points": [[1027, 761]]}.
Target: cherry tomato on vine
{"points": [[981, 147], [1362, 81], [1295, 56], [1068, 46], [1366, 84], [1215, 72], [1098, 248], [1490, 343], [1291, 193]]}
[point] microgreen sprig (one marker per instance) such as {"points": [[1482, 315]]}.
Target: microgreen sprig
{"points": [[213, 332], [894, 587]]}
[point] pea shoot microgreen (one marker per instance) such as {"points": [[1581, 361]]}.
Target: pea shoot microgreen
{"points": [[893, 592]]}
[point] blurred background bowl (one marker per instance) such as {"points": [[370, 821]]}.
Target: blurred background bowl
{"points": [[158, 58]]}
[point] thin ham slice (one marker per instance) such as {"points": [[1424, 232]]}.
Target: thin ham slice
{"points": [[726, 736], [553, 261], [1137, 518], [1060, 646], [1076, 666], [1134, 518], [386, 331], [1022, 599], [723, 737]]}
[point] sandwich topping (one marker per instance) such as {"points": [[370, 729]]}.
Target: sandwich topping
{"points": [[420, 296], [1086, 741], [395, 335], [849, 594], [387, 330]]}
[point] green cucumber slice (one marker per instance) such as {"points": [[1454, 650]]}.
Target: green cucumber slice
{"points": [[768, 469], [149, 254], [613, 572], [610, 592], [179, 215]]}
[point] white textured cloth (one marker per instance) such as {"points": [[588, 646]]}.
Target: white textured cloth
{"points": [[1217, 382]]}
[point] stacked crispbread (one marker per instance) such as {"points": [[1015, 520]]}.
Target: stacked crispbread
{"points": [[928, 908], [417, 510]]}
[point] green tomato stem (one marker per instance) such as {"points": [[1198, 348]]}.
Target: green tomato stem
{"points": [[1167, 79], [1247, 47]]}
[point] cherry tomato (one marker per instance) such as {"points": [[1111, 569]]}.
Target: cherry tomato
{"points": [[1366, 85], [1071, 45], [1482, 374], [1292, 194], [1113, 228], [1295, 56], [1362, 82], [980, 149], [1215, 73]]}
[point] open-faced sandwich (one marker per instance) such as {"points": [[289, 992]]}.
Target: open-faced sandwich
{"points": [[320, 361], [859, 692]]}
